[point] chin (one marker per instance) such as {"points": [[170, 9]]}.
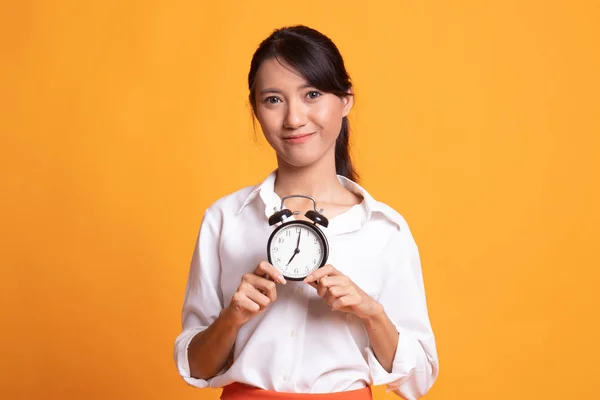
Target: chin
{"points": [[299, 161], [305, 157]]}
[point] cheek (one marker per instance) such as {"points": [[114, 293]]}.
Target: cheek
{"points": [[329, 118], [269, 120]]}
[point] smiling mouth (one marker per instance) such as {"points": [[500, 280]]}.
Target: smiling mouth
{"points": [[296, 137]]}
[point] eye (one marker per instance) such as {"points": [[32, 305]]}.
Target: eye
{"points": [[313, 94], [272, 100]]}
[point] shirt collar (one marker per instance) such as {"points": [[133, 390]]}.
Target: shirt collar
{"points": [[266, 190], [272, 202]]}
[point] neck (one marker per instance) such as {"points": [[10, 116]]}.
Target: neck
{"points": [[318, 181]]}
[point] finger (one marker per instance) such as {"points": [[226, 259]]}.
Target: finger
{"points": [[335, 292], [336, 280], [264, 268], [242, 302], [330, 282], [322, 291], [257, 297], [321, 272], [329, 298], [339, 291], [265, 286], [313, 285], [344, 302]]}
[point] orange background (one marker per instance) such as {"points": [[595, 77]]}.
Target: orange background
{"points": [[121, 121]]}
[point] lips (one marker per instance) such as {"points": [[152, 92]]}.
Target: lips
{"points": [[301, 135], [301, 138]]}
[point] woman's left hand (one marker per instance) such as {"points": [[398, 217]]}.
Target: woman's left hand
{"points": [[342, 294]]}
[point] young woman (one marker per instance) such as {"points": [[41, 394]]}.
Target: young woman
{"points": [[359, 320]]}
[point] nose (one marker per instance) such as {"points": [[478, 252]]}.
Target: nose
{"points": [[295, 115]]}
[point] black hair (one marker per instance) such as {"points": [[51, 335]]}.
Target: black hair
{"points": [[319, 61]]}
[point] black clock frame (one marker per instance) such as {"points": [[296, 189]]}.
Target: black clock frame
{"points": [[310, 225]]}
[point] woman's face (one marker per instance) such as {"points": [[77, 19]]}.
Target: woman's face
{"points": [[300, 122]]}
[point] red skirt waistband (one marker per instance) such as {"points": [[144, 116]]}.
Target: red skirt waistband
{"points": [[240, 391]]}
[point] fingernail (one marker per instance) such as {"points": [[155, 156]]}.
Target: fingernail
{"points": [[309, 278], [281, 279]]}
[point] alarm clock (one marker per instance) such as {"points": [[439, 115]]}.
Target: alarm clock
{"points": [[297, 247]]}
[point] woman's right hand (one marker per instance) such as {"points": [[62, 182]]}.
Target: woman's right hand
{"points": [[256, 291]]}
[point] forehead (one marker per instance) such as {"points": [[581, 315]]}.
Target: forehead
{"points": [[274, 73]]}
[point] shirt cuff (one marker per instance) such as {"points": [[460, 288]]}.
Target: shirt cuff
{"points": [[181, 358], [404, 364]]}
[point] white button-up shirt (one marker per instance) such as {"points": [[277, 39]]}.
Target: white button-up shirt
{"points": [[298, 344]]}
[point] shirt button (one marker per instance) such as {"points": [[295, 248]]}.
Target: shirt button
{"points": [[299, 290], [286, 377], [293, 333]]}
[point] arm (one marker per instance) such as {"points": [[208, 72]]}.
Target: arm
{"points": [[210, 350], [203, 301], [205, 344], [383, 337], [344, 295], [415, 364], [402, 352]]}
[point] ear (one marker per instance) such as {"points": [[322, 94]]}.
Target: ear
{"points": [[347, 102]]}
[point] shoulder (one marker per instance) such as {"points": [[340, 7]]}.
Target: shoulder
{"points": [[376, 208], [397, 226], [391, 214], [229, 205]]}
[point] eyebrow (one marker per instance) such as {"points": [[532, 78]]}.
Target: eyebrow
{"points": [[272, 90]]}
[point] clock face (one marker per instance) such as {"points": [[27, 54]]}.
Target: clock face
{"points": [[297, 249]]}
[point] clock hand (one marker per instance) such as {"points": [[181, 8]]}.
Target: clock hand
{"points": [[297, 250], [294, 255]]}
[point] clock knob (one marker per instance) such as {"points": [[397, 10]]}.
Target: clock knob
{"points": [[279, 216], [317, 218]]}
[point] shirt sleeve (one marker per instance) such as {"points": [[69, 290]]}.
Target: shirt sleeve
{"points": [[415, 366], [203, 299]]}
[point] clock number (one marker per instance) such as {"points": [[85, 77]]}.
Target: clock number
{"points": [[298, 230], [280, 240], [278, 260], [288, 233], [275, 249], [295, 270]]}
